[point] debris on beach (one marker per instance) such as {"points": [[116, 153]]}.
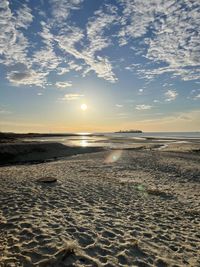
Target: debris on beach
{"points": [[47, 179]]}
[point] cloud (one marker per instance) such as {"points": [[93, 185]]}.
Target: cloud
{"points": [[143, 107], [97, 27], [197, 97], [69, 97], [61, 8], [67, 41], [14, 46], [74, 66], [166, 84], [45, 34], [140, 91], [71, 65], [171, 95], [119, 105], [121, 116], [179, 121], [61, 71], [62, 85], [23, 17], [118, 116], [164, 33], [95, 42], [170, 33], [45, 59], [137, 15], [13, 43], [4, 111], [28, 77]]}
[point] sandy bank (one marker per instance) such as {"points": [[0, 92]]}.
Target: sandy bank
{"points": [[11, 153]]}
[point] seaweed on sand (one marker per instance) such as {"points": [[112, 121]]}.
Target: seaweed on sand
{"points": [[62, 256]]}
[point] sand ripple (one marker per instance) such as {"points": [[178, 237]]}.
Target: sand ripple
{"points": [[142, 210]]}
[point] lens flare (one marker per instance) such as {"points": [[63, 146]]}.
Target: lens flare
{"points": [[114, 156]]}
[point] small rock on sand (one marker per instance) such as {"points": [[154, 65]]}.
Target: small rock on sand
{"points": [[47, 180]]}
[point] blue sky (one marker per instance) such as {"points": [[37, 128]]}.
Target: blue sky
{"points": [[135, 63]]}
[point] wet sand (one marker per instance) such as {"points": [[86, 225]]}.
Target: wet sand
{"points": [[33, 152], [111, 208]]}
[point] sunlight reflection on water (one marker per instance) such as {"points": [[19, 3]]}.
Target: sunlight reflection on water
{"points": [[113, 141], [84, 143]]}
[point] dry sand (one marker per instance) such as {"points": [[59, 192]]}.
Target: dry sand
{"points": [[143, 209]]}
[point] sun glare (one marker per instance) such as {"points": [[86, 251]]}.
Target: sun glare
{"points": [[84, 107]]}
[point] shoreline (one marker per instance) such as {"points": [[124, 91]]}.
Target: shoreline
{"points": [[16, 137], [34, 151]]}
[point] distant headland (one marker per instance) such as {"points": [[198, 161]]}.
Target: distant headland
{"points": [[129, 131]]}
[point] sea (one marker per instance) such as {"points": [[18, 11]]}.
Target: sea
{"points": [[120, 140]]}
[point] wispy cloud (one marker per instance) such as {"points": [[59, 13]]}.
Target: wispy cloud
{"points": [[70, 97], [61, 8], [4, 111], [178, 120], [122, 115], [97, 27], [74, 66], [197, 97], [140, 91], [174, 38], [14, 46], [119, 105], [143, 107], [62, 85], [133, 66], [46, 59], [61, 71], [164, 33], [13, 43], [28, 77], [96, 41], [23, 17], [171, 95]]}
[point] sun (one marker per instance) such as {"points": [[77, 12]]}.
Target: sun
{"points": [[84, 107]]}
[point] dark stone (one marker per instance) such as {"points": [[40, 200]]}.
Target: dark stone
{"points": [[47, 180]]}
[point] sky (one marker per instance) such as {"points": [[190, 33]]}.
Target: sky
{"points": [[135, 64]]}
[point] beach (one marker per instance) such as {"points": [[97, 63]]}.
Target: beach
{"points": [[99, 133], [137, 206]]}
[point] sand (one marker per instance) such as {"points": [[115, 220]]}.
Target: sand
{"points": [[111, 208], [30, 152]]}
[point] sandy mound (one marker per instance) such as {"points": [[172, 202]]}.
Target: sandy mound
{"points": [[38, 152]]}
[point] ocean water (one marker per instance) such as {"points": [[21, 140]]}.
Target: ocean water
{"points": [[178, 135], [120, 140]]}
